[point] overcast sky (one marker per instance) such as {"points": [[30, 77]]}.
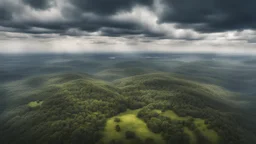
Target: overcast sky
{"points": [[218, 26]]}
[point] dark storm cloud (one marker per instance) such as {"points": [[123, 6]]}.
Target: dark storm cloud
{"points": [[5, 14], [87, 16], [74, 18], [120, 32], [39, 4], [211, 15], [108, 7], [107, 26]]}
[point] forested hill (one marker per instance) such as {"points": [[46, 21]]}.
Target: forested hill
{"points": [[156, 108]]}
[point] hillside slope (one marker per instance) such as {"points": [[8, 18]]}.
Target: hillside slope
{"points": [[76, 107]]}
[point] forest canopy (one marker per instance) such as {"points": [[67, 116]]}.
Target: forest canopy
{"points": [[133, 103]]}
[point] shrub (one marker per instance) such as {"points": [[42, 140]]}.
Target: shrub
{"points": [[130, 135], [117, 120], [149, 141], [118, 128]]}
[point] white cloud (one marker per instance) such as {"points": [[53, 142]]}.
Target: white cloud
{"points": [[69, 44], [177, 39], [148, 21]]}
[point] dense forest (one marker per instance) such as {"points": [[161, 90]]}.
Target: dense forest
{"points": [[70, 99]]}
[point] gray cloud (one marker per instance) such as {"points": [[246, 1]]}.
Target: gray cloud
{"points": [[108, 7], [74, 18], [39, 4], [208, 22], [211, 15], [201, 15], [5, 14], [86, 16]]}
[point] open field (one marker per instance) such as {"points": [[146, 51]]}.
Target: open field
{"points": [[199, 123], [35, 104], [129, 122]]}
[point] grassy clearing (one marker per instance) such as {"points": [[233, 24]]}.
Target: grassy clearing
{"points": [[35, 104], [172, 115], [191, 134], [209, 133], [199, 123], [129, 122]]}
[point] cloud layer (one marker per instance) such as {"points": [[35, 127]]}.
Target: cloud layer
{"points": [[166, 25], [211, 15]]}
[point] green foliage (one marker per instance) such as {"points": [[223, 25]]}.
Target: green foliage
{"points": [[129, 122], [117, 119], [117, 73], [73, 112], [118, 128], [186, 99], [35, 104], [130, 135], [78, 108]]}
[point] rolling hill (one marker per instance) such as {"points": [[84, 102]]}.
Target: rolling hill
{"points": [[79, 108]]}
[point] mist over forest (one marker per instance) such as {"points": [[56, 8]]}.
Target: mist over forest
{"points": [[127, 98]]}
